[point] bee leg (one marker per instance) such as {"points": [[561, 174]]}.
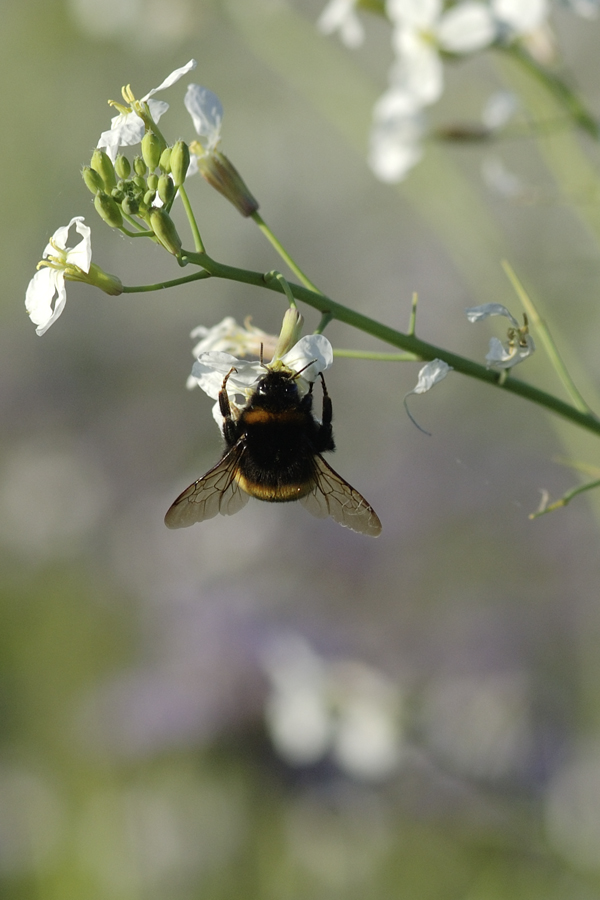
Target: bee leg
{"points": [[229, 425], [325, 430]]}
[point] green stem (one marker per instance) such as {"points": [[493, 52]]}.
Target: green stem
{"points": [[283, 253], [143, 288], [382, 357], [566, 498], [192, 220], [421, 349], [563, 94]]}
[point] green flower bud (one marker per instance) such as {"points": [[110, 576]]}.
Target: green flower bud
{"points": [[92, 180], [108, 210], [166, 189], [102, 164], [149, 197], [130, 206], [225, 178], [152, 147], [164, 229], [139, 166], [152, 181], [165, 160], [180, 161], [122, 166], [140, 182], [117, 194]]}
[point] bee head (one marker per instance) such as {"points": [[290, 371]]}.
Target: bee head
{"points": [[276, 390]]}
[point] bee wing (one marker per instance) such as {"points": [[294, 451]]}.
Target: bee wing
{"points": [[216, 492], [332, 496]]}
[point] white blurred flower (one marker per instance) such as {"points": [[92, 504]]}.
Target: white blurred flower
{"points": [[127, 129], [500, 179], [206, 111], [340, 15], [422, 29], [500, 107], [344, 709], [49, 281], [518, 345], [587, 9], [520, 17], [396, 135]]}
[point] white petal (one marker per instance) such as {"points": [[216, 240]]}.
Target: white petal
{"points": [[312, 348], [521, 16], [172, 78], [499, 109], [395, 140], [418, 69], [416, 13], [157, 109], [125, 131], [206, 111], [81, 254], [210, 369], [434, 371], [45, 284], [466, 28], [340, 15], [477, 313], [499, 179]]}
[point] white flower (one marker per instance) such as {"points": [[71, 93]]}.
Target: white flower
{"points": [[128, 128], [343, 709], [422, 29], [587, 9], [396, 134], [229, 337], [340, 15], [499, 109], [206, 111], [520, 17], [311, 355], [518, 345], [49, 282]]}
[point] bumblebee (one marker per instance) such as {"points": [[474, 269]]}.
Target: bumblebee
{"points": [[273, 452]]}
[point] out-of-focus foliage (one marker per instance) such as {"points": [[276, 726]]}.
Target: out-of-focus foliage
{"points": [[271, 706]]}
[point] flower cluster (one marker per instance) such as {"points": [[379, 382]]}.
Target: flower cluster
{"points": [[426, 33]]}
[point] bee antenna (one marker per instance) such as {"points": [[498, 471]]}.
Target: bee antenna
{"points": [[304, 368]]}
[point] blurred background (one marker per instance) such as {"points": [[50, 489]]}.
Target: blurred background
{"points": [[270, 706]]}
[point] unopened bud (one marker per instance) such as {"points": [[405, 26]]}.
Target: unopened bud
{"points": [[108, 210], [225, 178], [291, 332], [139, 166], [164, 229], [149, 198], [152, 147], [152, 182], [166, 189], [122, 166], [130, 206], [165, 160], [92, 180], [102, 164], [180, 162]]}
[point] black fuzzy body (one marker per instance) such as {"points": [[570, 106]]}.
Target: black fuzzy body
{"points": [[278, 437]]}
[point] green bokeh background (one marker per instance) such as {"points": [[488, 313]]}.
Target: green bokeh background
{"points": [[134, 757]]}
